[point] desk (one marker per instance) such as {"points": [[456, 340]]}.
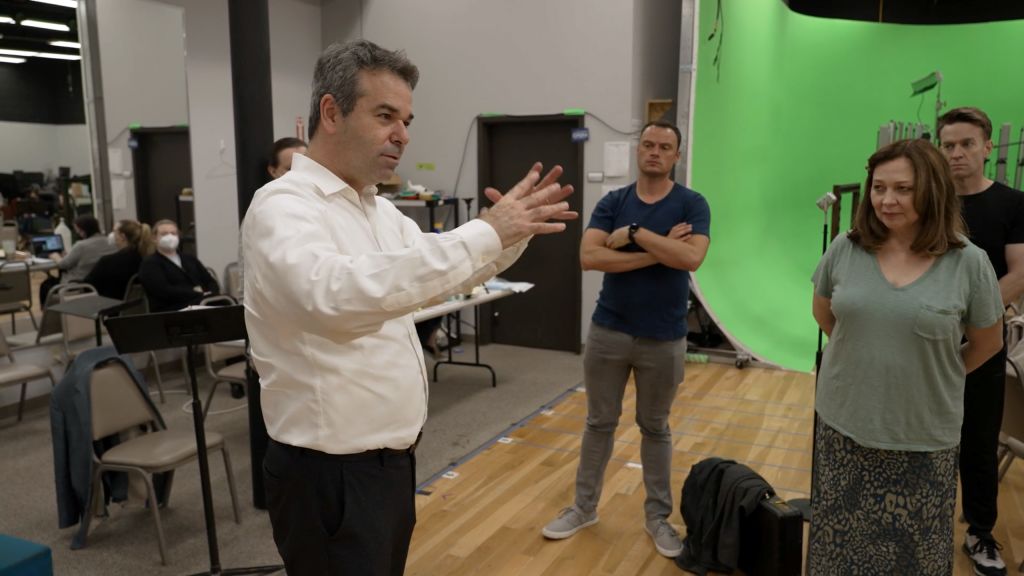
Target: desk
{"points": [[453, 306], [95, 308], [34, 264]]}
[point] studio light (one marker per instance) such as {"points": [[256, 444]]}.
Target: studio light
{"points": [[10, 60], [65, 44], [56, 56]]}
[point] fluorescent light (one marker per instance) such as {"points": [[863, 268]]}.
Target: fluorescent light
{"points": [[9, 52], [7, 20], [55, 56], [9, 60], [65, 44], [64, 3], [47, 25]]}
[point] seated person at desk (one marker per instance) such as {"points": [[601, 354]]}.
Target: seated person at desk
{"points": [[173, 280], [81, 258], [112, 272]]}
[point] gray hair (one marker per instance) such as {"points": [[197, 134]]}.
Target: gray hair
{"points": [[337, 73]]}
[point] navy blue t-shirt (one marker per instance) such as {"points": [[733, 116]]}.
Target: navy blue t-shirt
{"points": [[649, 302]]}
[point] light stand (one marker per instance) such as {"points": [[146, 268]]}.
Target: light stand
{"points": [[192, 328], [804, 504]]}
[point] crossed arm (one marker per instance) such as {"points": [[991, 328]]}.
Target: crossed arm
{"points": [[679, 249]]}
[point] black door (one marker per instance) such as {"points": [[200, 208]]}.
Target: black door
{"points": [[162, 160], [548, 316]]}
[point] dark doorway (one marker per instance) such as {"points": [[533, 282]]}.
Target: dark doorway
{"points": [[162, 160], [548, 316]]}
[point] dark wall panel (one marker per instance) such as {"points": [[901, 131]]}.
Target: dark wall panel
{"points": [[42, 92]]}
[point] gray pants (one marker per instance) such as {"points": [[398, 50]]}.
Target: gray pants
{"points": [[658, 370]]}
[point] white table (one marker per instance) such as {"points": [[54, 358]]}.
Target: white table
{"points": [[453, 306]]}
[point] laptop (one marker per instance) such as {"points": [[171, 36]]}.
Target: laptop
{"points": [[43, 246]]}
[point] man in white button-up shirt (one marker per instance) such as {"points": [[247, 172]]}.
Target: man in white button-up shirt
{"points": [[333, 274]]}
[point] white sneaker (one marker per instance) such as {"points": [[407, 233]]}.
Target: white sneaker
{"points": [[984, 554]]}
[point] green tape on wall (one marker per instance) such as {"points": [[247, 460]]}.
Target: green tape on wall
{"points": [[796, 110]]}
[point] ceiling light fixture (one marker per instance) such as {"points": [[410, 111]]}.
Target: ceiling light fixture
{"points": [[9, 52], [64, 3], [46, 25], [7, 20], [9, 60], [56, 56], [65, 44]]}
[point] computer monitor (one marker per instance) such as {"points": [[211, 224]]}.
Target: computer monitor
{"points": [[43, 246]]}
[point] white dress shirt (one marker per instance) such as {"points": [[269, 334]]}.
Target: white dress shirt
{"points": [[332, 276]]}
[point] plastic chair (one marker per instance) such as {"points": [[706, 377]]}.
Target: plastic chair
{"points": [[120, 405]]}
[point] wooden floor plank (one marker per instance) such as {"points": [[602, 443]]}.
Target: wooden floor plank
{"points": [[487, 519]]}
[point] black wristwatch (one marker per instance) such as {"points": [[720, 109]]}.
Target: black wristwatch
{"points": [[632, 231]]}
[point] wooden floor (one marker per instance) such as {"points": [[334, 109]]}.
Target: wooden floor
{"points": [[485, 516]]}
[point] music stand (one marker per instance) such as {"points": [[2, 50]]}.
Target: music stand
{"points": [[189, 329]]}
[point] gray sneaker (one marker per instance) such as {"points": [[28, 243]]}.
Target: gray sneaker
{"points": [[665, 537], [570, 521]]}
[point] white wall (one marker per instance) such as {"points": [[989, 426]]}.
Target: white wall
{"points": [[44, 147], [142, 60], [523, 57], [294, 47]]}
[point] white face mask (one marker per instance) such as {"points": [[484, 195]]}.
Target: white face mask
{"points": [[168, 242], [111, 239]]}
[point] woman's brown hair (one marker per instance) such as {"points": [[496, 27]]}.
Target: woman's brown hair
{"points": [[138, 236], [935, 200]]}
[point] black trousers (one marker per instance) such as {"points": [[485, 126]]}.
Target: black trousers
{"points": [[349, 514], [979, 441]]}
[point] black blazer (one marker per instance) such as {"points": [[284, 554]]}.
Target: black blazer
{"points": [[169, 287], [112, 272]]}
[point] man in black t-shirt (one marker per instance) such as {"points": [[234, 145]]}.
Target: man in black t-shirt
{"points": [[994, 214]]}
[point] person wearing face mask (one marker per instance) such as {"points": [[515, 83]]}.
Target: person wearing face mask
{"points": [[82, 257], [173, 280], [112, 272]]}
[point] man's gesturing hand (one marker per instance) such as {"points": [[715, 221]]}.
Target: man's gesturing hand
{"points": [[525, 209]]}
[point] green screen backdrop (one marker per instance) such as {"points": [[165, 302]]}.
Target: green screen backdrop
{"points": [[796, 110]]}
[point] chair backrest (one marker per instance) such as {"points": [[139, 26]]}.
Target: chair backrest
{"points": [[135, 291], [116, 401], [216, 280], [15, 283], [1013, 403], [215, 353], [75, 327], [233, 280]]}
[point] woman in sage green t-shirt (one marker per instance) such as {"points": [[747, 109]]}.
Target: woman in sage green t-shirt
{"points": [[896, 296]]}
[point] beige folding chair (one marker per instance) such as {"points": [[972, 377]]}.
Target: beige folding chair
{"points": [[51, 326], [119, 405], [135, 291], [1011, 437], [216, 353], [16, 291], [75, 328], [233, 280], [20, 373]]}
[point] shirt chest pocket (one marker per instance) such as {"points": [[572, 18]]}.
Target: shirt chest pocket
{"points": [[936, 322]]}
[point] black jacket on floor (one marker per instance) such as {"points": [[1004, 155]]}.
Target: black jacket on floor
{"points": [[717, 495], [169, 287]]}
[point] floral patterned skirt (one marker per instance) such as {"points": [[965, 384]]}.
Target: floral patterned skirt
{"points": [[880, 511]]}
